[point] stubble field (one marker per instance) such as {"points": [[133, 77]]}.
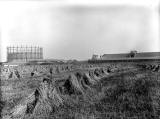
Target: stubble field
{"points": [[76, 91]]}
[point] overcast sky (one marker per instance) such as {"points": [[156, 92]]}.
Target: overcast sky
{"points": [[76, 31]]}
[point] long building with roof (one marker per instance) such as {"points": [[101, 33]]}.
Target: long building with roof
{"points": [[127, 55], [132, 56]]}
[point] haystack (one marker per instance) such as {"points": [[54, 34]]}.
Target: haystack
{"points": [[87, 77], [72, 85], [40, 103], [93, 77]]}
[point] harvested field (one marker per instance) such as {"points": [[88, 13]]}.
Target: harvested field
{"points": [[81, 91]]}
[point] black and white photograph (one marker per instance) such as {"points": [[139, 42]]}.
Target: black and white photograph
{"points": [[80, 59]]}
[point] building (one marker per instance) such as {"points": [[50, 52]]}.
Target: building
{"points": [[24, 54], [114, 56], [131, 55]]}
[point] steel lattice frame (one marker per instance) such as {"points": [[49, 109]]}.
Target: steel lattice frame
{"points": [[24, 53]]}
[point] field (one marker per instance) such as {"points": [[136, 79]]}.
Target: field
{"points": [[81, 91]]}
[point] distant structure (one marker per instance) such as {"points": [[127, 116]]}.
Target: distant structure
{"points": [[94, 57], [132, 56], [24, 54]]}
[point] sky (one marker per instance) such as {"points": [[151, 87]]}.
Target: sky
{"points": [[77, 30]]}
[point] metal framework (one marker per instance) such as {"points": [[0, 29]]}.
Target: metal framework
{"points": [[24, 53]]}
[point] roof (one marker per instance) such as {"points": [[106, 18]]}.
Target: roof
{"points": [[122, 55], [148, 54]]}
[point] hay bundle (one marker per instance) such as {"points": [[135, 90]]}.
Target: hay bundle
{"points": [[82, 81], [78, 75], [45, 104], [90, 80], [86, 82], [156, 69], [103, 71], [17, 74], [48, 100], [32, 101], [55, 98], [91, 74], [93, 77], [99, 72], [76, 83], [40, 103], [68, 87], [72, 85], [10, 75], [84, 86], [43, 108], [25, 106], [96, 77]]}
